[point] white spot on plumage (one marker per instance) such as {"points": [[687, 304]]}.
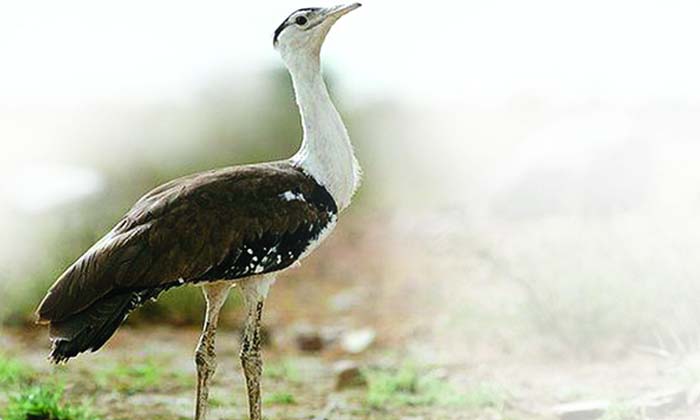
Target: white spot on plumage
{"points": [[292, 196]]}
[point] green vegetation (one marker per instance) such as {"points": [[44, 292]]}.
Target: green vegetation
{"points": [[408, 386], [35, 402], [285, 370], [485, 395], [189, 303], [44, 403], [280, 398], [622, 412], [12, 372], [215, 402], [131, 377]]}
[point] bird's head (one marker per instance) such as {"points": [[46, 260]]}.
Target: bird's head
{"points": [[303, 32]]}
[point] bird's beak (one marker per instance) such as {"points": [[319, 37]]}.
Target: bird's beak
{"points": [[337, 11]]}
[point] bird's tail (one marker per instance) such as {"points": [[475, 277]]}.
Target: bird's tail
{"points": [[90, 329]]}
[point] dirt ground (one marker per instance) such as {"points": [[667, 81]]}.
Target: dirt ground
{"points": [[471, 355], [302, 386]]}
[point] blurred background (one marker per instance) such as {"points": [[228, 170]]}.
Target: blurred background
{"points": [[529, 221]]}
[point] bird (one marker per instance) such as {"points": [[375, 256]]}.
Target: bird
{"points": [[235, 226]]}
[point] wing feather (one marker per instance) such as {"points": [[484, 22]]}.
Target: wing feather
{"points": [[190, 229]]}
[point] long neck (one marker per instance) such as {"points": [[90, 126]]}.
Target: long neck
{"points": [[326, 152]]}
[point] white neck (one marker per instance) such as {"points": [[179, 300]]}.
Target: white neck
{"points": [[326, 152]]}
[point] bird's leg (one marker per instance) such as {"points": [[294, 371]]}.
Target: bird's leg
{"points": [[205, 356], [254, 294]]}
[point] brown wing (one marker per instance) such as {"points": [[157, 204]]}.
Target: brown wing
{"points": [[223, 224]]}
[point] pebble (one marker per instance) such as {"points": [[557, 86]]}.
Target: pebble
{"points": [[357, 341], [348, 375], [308, 339]]}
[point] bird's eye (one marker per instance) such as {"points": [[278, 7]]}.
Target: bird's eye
{"points": [[301, 20]]}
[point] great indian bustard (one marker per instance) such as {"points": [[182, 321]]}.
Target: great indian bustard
{"points": [[233, 226]]}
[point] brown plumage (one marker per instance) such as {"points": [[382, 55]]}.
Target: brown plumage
{"points": [[218, 225]]}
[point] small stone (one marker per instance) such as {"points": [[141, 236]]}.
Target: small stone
{"points": [[358, 341], [348, 375], [582, 410], [309, 339]]}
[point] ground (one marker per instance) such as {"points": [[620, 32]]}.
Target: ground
{"points": [[457, 338], [149, 373]]}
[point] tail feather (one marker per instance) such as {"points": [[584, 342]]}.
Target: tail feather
{"points": [[90, 329]]}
